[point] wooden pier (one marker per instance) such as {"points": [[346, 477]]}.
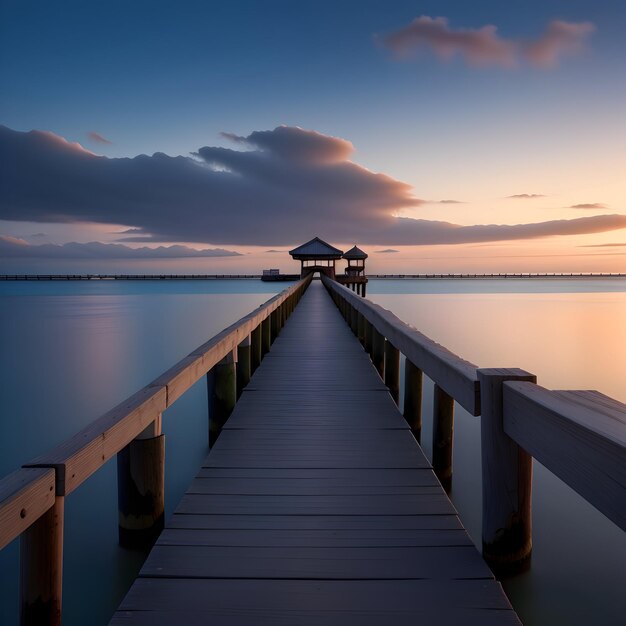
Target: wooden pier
{"points": [[316, 504]]}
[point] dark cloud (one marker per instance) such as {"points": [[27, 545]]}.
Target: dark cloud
{"points": [[296, 144], [450, 202], [98, 138], [484, 46], [281, 193], [387, 251], [13, 247], [526, 196], [273, 251], [590, 205]]}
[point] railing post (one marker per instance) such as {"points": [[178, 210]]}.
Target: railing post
{"points": [[41, 569], [275, 323], [506, 479], [367, 336], [243, 365], [354, 319], [256, 353], [378, 352], [360, 328], [443, 436], [413, 398], [392, 370], [141, 488], [266, 335], [222, 391]]}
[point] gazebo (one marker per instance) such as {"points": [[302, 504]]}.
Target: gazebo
{"points": [[316, 256], [354, 277]]}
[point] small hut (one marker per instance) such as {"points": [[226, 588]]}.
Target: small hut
{"points": [[316, 256], [356, 261]]}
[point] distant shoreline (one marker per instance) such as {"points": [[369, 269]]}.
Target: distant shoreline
{"points": [[154, 277]]}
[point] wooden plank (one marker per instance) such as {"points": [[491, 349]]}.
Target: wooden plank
{"points": [[579, 436], [417, 504], [327, 603], [236, 616], [25, 495], [315, 522], [335, 563], [315, 538]]}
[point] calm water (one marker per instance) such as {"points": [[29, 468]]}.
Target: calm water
{"points": [[71, 351]]}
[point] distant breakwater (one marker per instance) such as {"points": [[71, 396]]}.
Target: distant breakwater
{"points": [[288, 277]]}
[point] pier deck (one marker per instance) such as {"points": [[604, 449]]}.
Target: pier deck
{"points": [[315, 506]]}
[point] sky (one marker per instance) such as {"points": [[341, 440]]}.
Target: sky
{"points": [[210, 137]]}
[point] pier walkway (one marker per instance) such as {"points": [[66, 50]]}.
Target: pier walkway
{"points": [[315, 506]]}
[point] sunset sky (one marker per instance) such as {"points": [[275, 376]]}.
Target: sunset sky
{"points": [[438, 136]]}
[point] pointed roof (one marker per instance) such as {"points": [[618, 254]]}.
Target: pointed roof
{"points": [[316, 249], [355, 253]]}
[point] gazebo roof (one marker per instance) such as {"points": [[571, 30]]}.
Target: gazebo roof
{"points": [[355, 253], [315, 249]]}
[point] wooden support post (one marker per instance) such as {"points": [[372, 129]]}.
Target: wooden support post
{"points": [[266, 335], [360, 327], [141, 488], [41, 569], [506, 480], [392, 370], [378, 352], [222, 388], [443, 436], [367, 332], [413, 398], [256, 349], [275, 323], [244, 368], [363, 288]]}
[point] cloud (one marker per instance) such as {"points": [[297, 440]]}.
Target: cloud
{"points": [[296, 144], [13, 247], [604, 245], [591, 205], [387, 251], [484, 46], [273, 251], [293, 185], [560, 39], [450, 202], [526, 196], [97, 138]]}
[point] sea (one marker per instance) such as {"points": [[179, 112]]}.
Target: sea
{"points": [[69, 351]]}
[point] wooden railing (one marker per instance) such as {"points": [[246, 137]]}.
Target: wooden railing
{"points": [[32, 498], [578, 435]]}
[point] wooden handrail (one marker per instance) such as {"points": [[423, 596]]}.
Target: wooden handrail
{"points": [[580, 436], [456, 376], [25, 495]]}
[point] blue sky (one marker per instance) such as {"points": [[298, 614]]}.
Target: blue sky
{"points": [[169, 77]]}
